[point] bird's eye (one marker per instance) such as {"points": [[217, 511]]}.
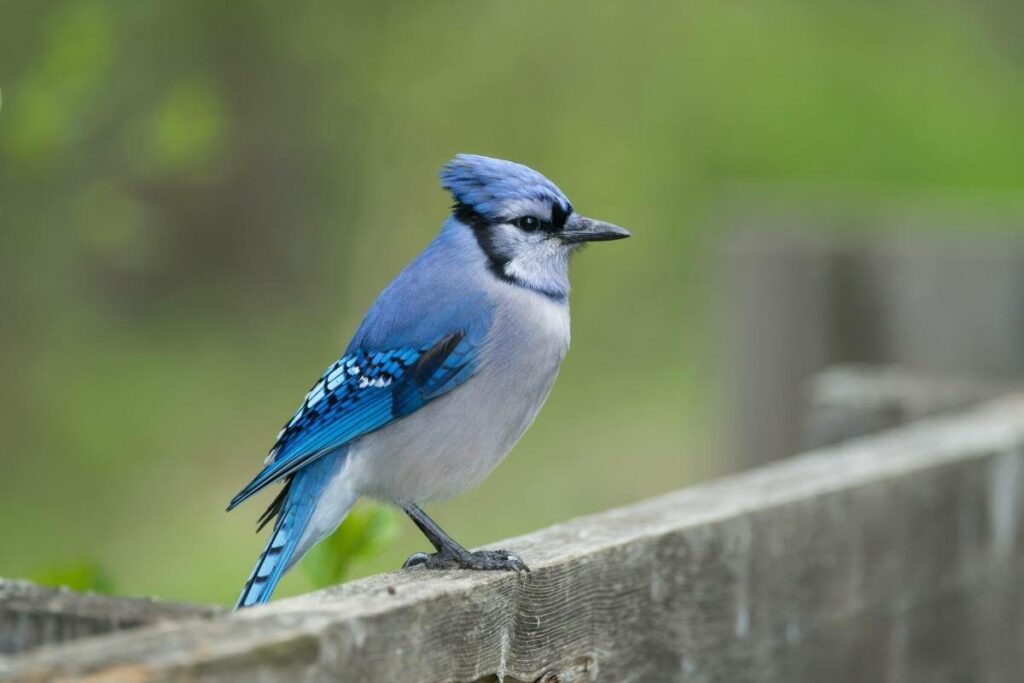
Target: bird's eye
{"points": [[527, 223]]}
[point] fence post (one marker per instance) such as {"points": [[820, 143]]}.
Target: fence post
{"points": [[798, 301]]}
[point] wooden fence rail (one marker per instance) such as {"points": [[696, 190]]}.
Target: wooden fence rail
{"points": [[32, 615], [891, 557]]}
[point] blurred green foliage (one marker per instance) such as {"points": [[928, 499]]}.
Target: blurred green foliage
{"points": [[81, 575], [199, 199]]}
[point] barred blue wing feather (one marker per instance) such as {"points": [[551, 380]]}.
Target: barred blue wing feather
{"points": [[359, 394]]}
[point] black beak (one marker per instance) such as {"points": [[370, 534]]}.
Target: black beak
{"points": [[582, 229]]}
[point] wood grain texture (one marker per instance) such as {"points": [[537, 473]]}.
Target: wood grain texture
{"points": [[895, 557], [32, 615]]}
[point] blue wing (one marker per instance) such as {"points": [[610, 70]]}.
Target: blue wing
{"points": [[362, 392]]}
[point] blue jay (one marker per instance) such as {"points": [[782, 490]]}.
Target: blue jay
{"points": [[444, 375]]}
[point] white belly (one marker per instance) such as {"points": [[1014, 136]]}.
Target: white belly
{"points": [[454, 442]]}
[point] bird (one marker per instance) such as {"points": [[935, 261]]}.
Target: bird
{"points": [[446, 372]]}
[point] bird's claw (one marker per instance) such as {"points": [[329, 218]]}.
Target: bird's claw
{"points": [[415, 559], [481, 560]]}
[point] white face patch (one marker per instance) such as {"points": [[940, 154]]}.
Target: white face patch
{"points": [[527, 253], [535, 259]]}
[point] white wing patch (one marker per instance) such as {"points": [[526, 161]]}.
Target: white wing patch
{"points": [[379, 382]]}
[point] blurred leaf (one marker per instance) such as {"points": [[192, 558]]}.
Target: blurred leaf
{"points": [[366, 531], [188, 126], [52, 103], [80, 576]]}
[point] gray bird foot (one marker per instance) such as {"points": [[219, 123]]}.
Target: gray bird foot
{"points": [[482, 560]]}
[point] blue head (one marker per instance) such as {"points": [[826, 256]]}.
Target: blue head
{"points": [[523, 223]]}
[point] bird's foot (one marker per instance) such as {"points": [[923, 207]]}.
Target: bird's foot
{"points": [[485, 560]]}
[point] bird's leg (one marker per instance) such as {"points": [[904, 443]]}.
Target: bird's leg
{"points": [[451, 555]]}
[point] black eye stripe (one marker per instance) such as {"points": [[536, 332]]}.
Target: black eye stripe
{"points": [[482, 226], [559, 215], [530, 223]]}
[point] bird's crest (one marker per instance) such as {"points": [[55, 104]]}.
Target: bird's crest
{"points": [[485, 184]]}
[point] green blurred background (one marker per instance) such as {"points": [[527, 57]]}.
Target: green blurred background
{"points": [[199, 200]]}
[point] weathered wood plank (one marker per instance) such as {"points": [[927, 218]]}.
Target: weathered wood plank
{"points": [[897, 557], [32, 615]]}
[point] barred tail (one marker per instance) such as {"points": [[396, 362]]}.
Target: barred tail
{"points": [[297, 528], [276, 556]]}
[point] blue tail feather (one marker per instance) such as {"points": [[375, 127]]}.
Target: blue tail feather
{"points": [[277, 555], [292, 535]]}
